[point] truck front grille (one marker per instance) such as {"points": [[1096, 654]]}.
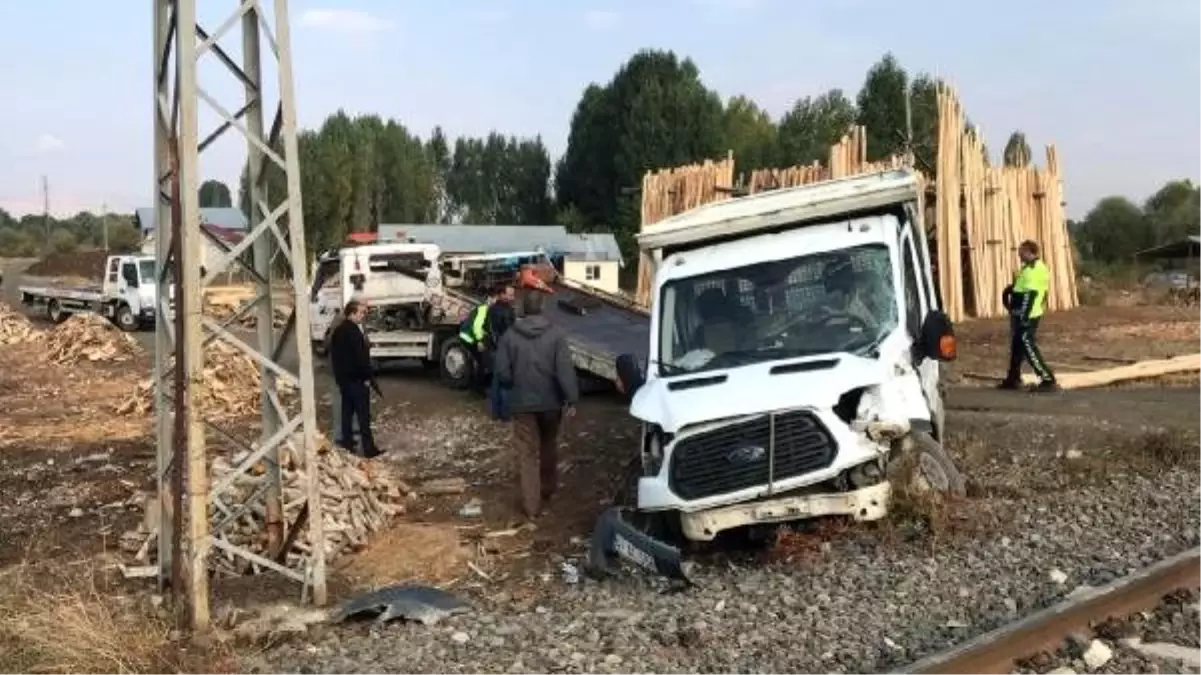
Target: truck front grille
{"points": [[754, 453]]}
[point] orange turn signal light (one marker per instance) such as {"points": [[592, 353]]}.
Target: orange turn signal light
{"points": [[947, 348]]}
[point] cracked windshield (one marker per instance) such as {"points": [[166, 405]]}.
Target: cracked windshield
{"points": [[839, 301]]}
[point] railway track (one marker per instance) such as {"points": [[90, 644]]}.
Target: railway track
{"points": [[999, 650]]}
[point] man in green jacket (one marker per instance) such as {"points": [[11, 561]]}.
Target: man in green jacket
{"points": [[1026, 300]]}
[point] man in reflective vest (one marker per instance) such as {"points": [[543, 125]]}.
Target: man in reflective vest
{"points": [[473, 332], [1026, 300]]}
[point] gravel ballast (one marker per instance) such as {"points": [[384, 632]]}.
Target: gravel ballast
{"points": [[1048, 512]]}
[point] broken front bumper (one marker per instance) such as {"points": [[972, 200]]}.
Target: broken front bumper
{"points": [[615, 538], [869, 503]]}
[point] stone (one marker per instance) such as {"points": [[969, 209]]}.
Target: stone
{"points": [[1062, 670], [1058, 576], [75, 513], [460, 637], [1097, 655], [1073, 454]]}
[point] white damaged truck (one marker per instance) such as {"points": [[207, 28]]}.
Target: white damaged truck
{"points": [[792, 371]]}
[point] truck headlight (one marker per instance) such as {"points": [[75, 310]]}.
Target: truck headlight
{"points": [[654, 440]]}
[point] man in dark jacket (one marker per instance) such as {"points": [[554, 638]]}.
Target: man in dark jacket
{"points": [[350, 356], [501, 316], [533, 363]]}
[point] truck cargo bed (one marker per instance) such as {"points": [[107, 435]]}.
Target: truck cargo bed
{"points": [[600, 326]]}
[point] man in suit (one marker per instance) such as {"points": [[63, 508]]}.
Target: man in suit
{"points": [[350, 356]]}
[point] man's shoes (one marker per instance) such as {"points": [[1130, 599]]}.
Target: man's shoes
{"points": [[1046, 387], [372, 453], [1009, 385]]}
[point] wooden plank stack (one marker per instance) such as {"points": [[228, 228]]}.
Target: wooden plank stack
{"points": [[1000, 208], [979, 216], [667, 192], [89, 337]]}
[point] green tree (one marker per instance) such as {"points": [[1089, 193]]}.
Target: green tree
{"points": [[62, 241], [750, 133], [655, 112], [923, 115], [881, 106], [812, 125], [123, 237], [1174, 211], [214, 193], [1017, 150], [1114, 230]]}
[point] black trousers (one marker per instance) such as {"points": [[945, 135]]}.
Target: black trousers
{"points": [[356, 403], [1023, 346]]}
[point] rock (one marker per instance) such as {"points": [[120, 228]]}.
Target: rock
{"points": [[75, 513], [1073, 454], [460, 637], [1097, 655], [1058, 576], [472, 509], [1062, 670]]}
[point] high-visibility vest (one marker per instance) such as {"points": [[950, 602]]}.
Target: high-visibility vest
{"points": [[472, 329]]}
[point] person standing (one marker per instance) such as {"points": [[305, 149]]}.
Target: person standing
{"points": [[350, 355], [501, 316], [336, 396], [1026, 299], [473, 332], [533, 363]]}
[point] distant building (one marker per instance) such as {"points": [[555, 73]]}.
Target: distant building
{"points": [[593, 259], [225, 227]]}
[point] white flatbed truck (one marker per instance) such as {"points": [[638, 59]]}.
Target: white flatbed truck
{"points": [[126, 295]]}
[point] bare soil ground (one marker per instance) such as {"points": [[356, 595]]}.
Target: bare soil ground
{"points": [[73, 477]]}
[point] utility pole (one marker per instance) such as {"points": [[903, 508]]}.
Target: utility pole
{"points": [[189, 528], [46, 214], [104, 224]]}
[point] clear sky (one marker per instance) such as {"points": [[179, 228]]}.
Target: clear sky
{"points": [[1116, 84]]}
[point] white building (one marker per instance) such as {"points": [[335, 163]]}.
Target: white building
{"points": [[592, 259]]}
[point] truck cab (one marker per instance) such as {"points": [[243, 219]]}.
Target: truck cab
{"points": [[130, 289], [794, 355]]}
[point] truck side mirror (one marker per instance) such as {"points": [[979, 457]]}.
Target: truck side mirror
{"points": [[629, 375], [938, 337]]}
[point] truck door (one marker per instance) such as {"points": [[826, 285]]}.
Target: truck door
{"points": [[326, 299], [127, 287], [918, 302]]}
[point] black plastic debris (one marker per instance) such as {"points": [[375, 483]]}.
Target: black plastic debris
{"points": [[406, 601], [615, 539]]}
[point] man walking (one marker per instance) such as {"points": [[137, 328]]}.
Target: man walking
{"points": [[350, 356], [534, 364], [501, 316], [1026, 300]]}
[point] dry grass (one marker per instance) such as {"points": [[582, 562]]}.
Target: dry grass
{"points": [[82, 625], [408, 552]]}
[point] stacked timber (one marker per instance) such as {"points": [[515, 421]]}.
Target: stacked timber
{"points": [[358, 498], [89, 337], [996, 209], [15, 328], [232, 386], [667, 192]]}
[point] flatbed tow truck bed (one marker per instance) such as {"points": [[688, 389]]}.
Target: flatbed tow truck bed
{"points": [[600, 326]]}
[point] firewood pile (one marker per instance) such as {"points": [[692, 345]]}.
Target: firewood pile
{"points": [[232, 386], [220, 311], [15, 328], [1185, 297], [89, 337], [358, 498]]}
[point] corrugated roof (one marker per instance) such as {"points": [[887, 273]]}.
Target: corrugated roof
{"points": [[226, 217], [485, 239]]}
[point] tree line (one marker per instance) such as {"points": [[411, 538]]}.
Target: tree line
{"points": [[656, 111]]}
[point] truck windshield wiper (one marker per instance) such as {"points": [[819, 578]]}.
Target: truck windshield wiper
{"points": [[670, 368]]}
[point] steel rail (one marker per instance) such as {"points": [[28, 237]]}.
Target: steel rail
{"points": [[998, 650]]}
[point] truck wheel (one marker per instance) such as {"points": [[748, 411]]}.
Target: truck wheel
{"points": [[55, 312], [319, 345], [927, 466], [126, 320], [457, 364]]}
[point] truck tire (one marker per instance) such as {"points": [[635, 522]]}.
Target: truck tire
{"points": [[457, 364], [926, 465], [125, 319], [55, 312]]}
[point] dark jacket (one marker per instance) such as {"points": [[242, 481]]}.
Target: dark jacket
{"points": [[500, 319], [534, 362], [349, 354]]}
